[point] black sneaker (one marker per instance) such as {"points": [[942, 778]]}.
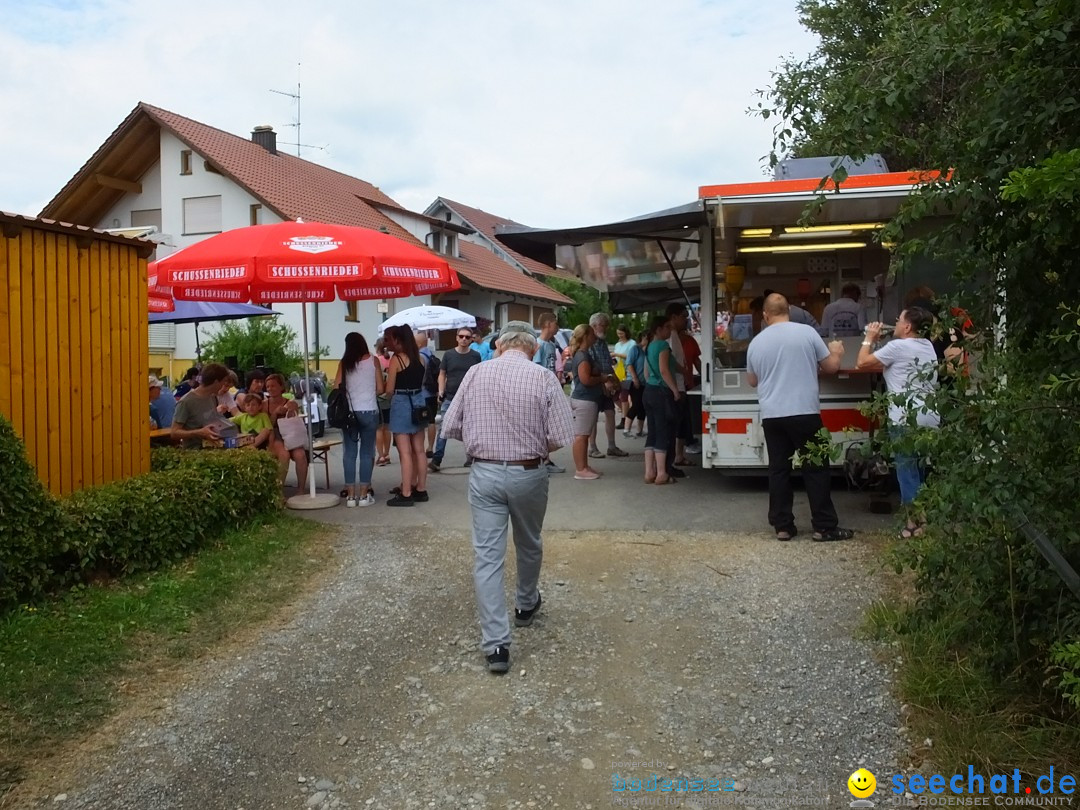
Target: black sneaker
{"points": [[523, 618], [400, 500], [419, 496], [675, 472], [499, 660]]}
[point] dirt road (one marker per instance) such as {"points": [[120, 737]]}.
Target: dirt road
{"points": [[719, 656]]}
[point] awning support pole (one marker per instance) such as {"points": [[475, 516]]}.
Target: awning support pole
{"points": [[674, 272]]}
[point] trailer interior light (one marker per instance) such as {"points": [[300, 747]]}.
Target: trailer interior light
{"points": [[756, 233], [853, 226], [817, 235], [802, 248]]}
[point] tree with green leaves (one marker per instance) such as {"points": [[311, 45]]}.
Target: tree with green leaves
{"points": [[985, 92], [244, 339], [587, 300]]}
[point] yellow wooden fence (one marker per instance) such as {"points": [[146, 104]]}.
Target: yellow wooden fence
{"points": [[73, 350]]}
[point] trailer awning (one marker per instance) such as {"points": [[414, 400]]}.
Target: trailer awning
{"points": [[642, 263]]}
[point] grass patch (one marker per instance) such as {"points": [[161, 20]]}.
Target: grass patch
{"points": [[65, 665], [971, 719]]}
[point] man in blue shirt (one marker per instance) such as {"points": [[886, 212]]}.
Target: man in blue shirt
{"points": [[161, 408], [546, 355]]}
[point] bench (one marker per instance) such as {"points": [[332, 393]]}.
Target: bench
{"points": [[320, 451]]}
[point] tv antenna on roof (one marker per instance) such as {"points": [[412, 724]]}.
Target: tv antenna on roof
{"points": [[296, 97]]}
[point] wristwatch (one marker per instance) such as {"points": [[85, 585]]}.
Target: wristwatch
{"points": [[866, 343]]}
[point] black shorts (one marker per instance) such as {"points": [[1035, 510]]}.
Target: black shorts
{"points": [[607, 404]]}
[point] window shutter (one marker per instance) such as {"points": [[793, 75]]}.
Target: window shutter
{"points": [[202, 214], [163, 336]]}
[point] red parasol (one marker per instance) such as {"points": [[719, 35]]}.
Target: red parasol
{"points": [[297, 262], [303, 262], [159, 298]]}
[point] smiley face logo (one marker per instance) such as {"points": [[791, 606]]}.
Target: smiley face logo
{"points": [[862, 783]]}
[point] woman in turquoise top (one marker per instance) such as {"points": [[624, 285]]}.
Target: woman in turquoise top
{"points": [[660, 396]]}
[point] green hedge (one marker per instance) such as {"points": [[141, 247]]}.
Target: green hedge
{"points": [[138, 524], [29, 518]]}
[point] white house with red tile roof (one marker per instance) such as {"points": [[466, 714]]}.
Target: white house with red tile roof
{"points": [[483, 226], [191, 180]]}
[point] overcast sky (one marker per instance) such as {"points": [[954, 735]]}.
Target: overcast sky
{"points": [[552, 112]]}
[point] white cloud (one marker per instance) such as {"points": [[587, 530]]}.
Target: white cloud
{"points": [[553, 113]]}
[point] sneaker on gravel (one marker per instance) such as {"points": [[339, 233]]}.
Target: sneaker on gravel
{"points": [[400, 500], [694, 449], [595, 453], [419, 496], [523, 618], [616, 452], [499, 660], [366, 500], [553, 468], [586, 475], [350, 502], [433, 466]]}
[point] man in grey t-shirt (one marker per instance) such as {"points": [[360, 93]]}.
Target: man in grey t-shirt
{"points": [[783, 364], [455, 363], [197, 416]]}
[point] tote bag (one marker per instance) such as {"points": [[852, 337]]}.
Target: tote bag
{"points": [[293, 432]]}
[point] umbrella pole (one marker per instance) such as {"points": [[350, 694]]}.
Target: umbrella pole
{"points": [[307, 400], [310, 501], [198, 350]]}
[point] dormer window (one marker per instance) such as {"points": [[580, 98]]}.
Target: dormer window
{"points": [[444, 242]]}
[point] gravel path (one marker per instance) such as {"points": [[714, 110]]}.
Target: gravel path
{"points": [[706, 655]]}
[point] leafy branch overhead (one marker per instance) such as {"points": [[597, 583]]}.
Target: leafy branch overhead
{"points": [[985, 92]]}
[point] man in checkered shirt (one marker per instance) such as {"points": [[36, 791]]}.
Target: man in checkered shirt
{"points": [[510, 413]]}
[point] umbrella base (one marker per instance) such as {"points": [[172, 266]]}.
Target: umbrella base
{"points": [[322, 500]]}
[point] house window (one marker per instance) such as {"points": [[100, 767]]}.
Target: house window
{"points": [[255, 214], [185, 162], [202, 215], [146, 218], [351, 311]]}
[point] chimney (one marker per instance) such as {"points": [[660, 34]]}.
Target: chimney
{"points": [[265, 137]]}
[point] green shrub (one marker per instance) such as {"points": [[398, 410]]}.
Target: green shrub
{"points": [[140, 523], [31, 534], [126, 526]]}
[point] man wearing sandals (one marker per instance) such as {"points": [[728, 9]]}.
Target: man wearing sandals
{"points": [[783, 362]]}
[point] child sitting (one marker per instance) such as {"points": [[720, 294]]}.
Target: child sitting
{"points": [[254, 421]]}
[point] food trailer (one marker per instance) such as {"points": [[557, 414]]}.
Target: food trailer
{"points": [[731, 246]]}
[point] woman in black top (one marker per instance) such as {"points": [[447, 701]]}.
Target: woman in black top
{"points": [[404, 384]]}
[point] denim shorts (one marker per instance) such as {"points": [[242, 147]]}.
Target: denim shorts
{"points": [[401, 408]]}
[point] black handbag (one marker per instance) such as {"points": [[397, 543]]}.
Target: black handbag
{"points": [[421, 414], [339, 412], [337, 407]]}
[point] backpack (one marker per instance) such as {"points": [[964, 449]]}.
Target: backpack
{"points": [[431, 373]]}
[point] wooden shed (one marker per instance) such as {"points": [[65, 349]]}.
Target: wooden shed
{"points": [[73, 350]]}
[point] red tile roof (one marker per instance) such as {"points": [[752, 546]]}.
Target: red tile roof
{"points": [[483, 268], [296, 188], [486, 223], [291, 186]]}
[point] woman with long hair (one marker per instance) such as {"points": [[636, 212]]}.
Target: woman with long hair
{"points": [[278, 406], [620, 352], [382, 435], [362, 378], [585, 397], [404, 383], [661, 392]]}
